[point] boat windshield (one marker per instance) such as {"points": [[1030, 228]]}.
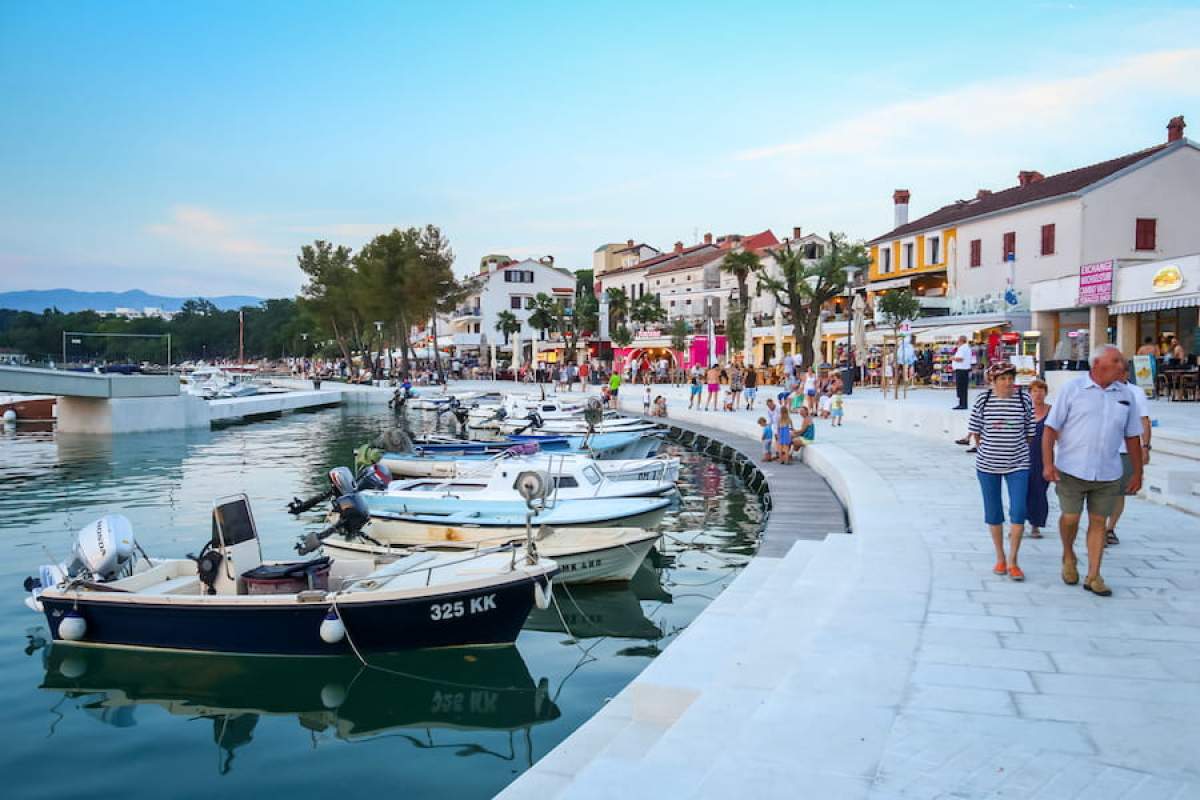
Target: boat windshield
{"points": [[592, 474]]}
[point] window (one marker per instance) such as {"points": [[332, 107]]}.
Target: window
{"points": [[935, 247], [514, 302], [1048, 240], [1146, 234], [672, 304], [1010, 245], [566, 482], [886, 264], [976, 252], [908, 256]]}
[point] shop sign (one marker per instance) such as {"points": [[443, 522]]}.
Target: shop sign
{"points": [[1143, 373], [1010, 337], [1096, 283], [1167, 279]]}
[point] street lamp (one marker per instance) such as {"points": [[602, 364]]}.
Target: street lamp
{"points": [[379, 335]]}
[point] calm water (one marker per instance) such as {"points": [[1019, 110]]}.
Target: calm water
{"points": [[454, 723]]}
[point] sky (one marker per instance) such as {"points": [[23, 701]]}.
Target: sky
{"points": [[191, 148]]}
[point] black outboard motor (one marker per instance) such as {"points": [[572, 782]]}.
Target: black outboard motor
{"points": [[373, 476], [352, 517], [342, 482]]}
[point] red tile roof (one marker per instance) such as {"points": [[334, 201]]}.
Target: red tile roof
{"points": [[1052, 186], [690, 258], [658, 259], [759, 241]]}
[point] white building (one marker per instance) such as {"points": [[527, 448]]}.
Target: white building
{"points": [[982, 256], [506, 285]]}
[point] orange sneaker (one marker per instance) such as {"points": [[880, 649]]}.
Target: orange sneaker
{"points": [[1000, 569], [1015, 573]]}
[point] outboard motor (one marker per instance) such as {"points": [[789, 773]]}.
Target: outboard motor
{"points": [[352, 516], [103, 551], [375, 477], [342, 479]]}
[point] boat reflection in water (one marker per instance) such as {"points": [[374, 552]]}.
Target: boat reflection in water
{"points": [[463, 689], [613, 610]]}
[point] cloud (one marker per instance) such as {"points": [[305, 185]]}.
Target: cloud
{"points": [[202, 229], [991, 109]]}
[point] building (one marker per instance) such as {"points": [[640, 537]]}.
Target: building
{"points": [[616, 256], [992, 260], [503, 284]]}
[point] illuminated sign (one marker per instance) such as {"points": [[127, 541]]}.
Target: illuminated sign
{"points": [[1167, 279]]}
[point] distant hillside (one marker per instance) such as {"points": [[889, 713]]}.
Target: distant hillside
{"points": [[71, 300]]}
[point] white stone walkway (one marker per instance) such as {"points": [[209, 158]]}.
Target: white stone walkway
{"points": [[891, 663]]}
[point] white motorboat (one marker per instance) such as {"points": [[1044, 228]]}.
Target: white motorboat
{"points": [[212, 382], [664, 468], [583, 555]]}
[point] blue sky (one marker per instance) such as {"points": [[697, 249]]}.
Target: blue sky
{"points": [[193, 147]]}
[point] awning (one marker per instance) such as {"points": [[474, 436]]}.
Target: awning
{"points": [[1156, 304], [894, 283]]}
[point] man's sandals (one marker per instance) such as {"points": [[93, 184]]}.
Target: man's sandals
{"points": [[1110, 538]]}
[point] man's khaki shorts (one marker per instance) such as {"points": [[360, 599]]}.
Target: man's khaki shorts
{"points": [[1101, 496]]}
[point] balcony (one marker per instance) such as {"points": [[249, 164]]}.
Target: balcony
{"points": [[468, 339], [465, 314]]}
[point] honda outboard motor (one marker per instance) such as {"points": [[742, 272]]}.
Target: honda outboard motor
{"points": [[103, 551], [374, 476]]}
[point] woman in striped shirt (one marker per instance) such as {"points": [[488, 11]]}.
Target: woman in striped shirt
{"points": [[1002, 424]]}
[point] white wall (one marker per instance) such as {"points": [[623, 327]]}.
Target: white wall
{"points": [[1167, 189], [496, 294], [1031, 265]]}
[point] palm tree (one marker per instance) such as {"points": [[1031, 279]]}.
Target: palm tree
{"points": [[507, 323], [740, 264], [543, 317], [648, 309], [618, 306]]}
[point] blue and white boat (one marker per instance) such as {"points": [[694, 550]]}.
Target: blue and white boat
{"points": [[439, 460]]}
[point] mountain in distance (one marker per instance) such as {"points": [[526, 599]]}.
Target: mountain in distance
{"points": [[68, 300]]}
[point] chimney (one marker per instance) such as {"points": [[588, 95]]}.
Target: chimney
{"points": [[900, 198], [1175, 129], [679, 247], [982, 193], [629, 242], [708, 238], [547, 260], [1026, 177], [796, 232]]}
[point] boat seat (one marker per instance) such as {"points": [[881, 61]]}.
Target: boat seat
{"points": [[190, 583], [286, 570]]}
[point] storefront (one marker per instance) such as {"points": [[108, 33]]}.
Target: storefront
{"points": [[1159, 302]]}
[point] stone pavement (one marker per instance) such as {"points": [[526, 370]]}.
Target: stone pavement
{"points": [[891, 663]]}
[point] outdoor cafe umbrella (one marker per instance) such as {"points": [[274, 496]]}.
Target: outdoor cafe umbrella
{"points": [[778, 334], [860, 326], [818, 350], [712, 343], [516, 351], [747, 340]]}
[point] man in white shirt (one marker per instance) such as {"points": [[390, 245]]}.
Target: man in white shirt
{"points": [[961, 361], [1143, 413], [1090, 418]]}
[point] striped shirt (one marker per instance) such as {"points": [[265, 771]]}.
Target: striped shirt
{"points": [[1005, 427]]}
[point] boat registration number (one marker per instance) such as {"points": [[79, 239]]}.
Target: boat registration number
{"points": [[460, 608]]}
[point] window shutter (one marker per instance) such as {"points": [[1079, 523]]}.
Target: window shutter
{"points": [[1048, 240], [1010, 244], [1146, 234], [976, 252]]}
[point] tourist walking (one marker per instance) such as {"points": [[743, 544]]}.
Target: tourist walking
{"points": [[751, 387], [1081, 450], [713, 379], [768, 438], [694, 394], [961, 361], [810, 390], [735, 386], [614, 386], [1142, 409], [1037, 508], [1002, 424]]}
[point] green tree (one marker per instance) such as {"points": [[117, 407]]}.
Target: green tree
{"points": [[542, 318], [740, 264], [680, 331], [507, 324], [896, 307], [804, 286], [328, 293], [647, 310], [735, 328], [622, 336], [618, 306]]}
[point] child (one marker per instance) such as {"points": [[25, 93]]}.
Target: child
{"points": [[825, 406], [767, 439], [837, 407], [694, 396], [797, 402], [783, 450], [646, 401], [728, 402], [660, 406], [806, 429]]}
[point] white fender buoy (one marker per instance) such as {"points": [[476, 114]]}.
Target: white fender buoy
{"points": [[73, 626], [542, 594], [10, 415], [333, 695], [333, 630], [72, 668]]}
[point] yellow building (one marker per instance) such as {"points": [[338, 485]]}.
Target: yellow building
{"points": [[913, 256]]}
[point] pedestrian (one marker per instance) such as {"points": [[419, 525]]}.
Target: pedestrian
{"points": [[660, 407], [646, 401], [736, 376], [783, 437], [837, 407], [751, 387], [614, 386], [961, 361], [1037, 509], [1143, 414], [825, 404], [584, 369], [1002, 424], [694, 391], [789, 368], [806, 430], [1081, 454], [773, 415], [713, 379], [767, 438]]}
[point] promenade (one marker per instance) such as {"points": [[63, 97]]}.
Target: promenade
{"points": [[891, 663]]}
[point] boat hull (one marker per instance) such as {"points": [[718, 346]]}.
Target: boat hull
{"points": [[426, 533], [490, 615]]}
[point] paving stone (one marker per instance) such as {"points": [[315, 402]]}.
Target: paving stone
{"points": [[952, 698], [1122, 666], [972, 621], [985, 657], [972, 676]]}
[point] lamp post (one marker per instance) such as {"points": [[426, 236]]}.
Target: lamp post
{"points": [[379, 352]]}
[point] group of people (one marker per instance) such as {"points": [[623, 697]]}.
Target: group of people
{"points": [[741, 386], [1091, 444]]}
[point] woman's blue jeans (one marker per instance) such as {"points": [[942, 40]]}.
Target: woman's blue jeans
{"points": [[993, 505]]}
